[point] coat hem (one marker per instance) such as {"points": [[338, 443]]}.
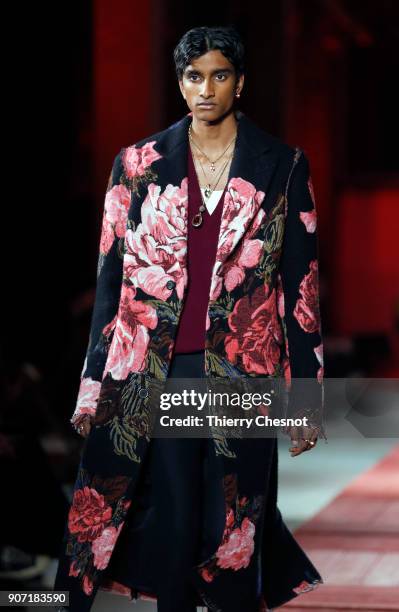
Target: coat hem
{"points": [[117, 588], [303, 587]]}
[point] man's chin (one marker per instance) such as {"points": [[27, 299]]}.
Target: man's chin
{"points": [[212, 116]]}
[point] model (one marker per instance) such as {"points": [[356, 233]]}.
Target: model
{"points": [[208, 267]]}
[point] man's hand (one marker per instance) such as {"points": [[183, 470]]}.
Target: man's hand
{"points": [[83, 425], [302, 439]]}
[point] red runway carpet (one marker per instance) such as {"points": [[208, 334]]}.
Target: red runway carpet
{"points": [[354, 543]]}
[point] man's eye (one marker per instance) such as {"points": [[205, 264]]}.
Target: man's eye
{"points": [[193, 76], [222, 77]]}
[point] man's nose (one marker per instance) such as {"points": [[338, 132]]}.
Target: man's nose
{"points": [[207, 89]]}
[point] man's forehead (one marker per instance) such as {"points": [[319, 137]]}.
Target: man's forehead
{"points": [[209, 63]]}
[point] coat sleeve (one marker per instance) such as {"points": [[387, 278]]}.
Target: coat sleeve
{"points": [[107, 294], [299, 298]]}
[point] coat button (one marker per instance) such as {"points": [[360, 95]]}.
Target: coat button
{"points": [[143, 392], [170, 284]]}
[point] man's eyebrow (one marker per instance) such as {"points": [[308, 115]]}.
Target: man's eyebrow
{"points": [[222, 70], [217, 71]]}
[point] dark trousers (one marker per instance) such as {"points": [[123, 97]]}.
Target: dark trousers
{"points": [[178, 515], [168, 531]]}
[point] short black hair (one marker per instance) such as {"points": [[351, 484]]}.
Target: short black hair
{"points": [[198, 41]]}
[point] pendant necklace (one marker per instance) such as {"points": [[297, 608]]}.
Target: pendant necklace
{"points": [[198, 219], [208, 189], [212, 163]]}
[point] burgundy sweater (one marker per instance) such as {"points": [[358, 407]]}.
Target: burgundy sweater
{"points": [[201, 245]]}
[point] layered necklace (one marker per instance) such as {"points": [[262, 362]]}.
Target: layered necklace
{"points": [[198, 219]]}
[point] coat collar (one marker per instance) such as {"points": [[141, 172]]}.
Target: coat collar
{"points": [[251, 144], [254, 161]]}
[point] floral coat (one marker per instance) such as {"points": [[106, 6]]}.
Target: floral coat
{"points": [[263, 320]]}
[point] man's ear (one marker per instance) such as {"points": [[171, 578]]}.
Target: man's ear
{"points": [[240, 83]]}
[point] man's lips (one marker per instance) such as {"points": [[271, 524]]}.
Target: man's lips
{"points": [[206, 104]]}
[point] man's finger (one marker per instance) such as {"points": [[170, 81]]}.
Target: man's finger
{"points": [[83, 428], [294, 435]]}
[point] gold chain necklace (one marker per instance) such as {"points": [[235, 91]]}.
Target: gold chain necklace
{"points": [[209, 189], [212, 166], [198, 219], [218, 178]]}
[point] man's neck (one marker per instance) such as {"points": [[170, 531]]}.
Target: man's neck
{"points": [[214, 137]]}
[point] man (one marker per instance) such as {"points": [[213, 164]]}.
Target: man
{"points": [[242, 301]]}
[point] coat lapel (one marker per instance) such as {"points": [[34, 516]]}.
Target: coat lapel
{"points": [[251, 170], [172, 145]]}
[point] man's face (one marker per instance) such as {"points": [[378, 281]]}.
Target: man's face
{"points": [[209, 85]]}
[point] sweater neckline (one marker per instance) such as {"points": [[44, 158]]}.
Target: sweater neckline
{"points": [[212, 202]]}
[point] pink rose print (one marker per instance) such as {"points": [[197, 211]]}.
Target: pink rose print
{"points": [[309, 219], [87, 585], [241, 202], [280, 298], [319, 354], [117, 203], [109, 328], [137, 159], [229, 517], [128, 350], [116, 208], [107, 236], [129, 346], [311, 191], [256, 335], [103, 545], [89, 391], [73, 571], [155, 252], [237, 551], [248, 256], [306, 309], [89, 514], [206, 575], [303, 587]]}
